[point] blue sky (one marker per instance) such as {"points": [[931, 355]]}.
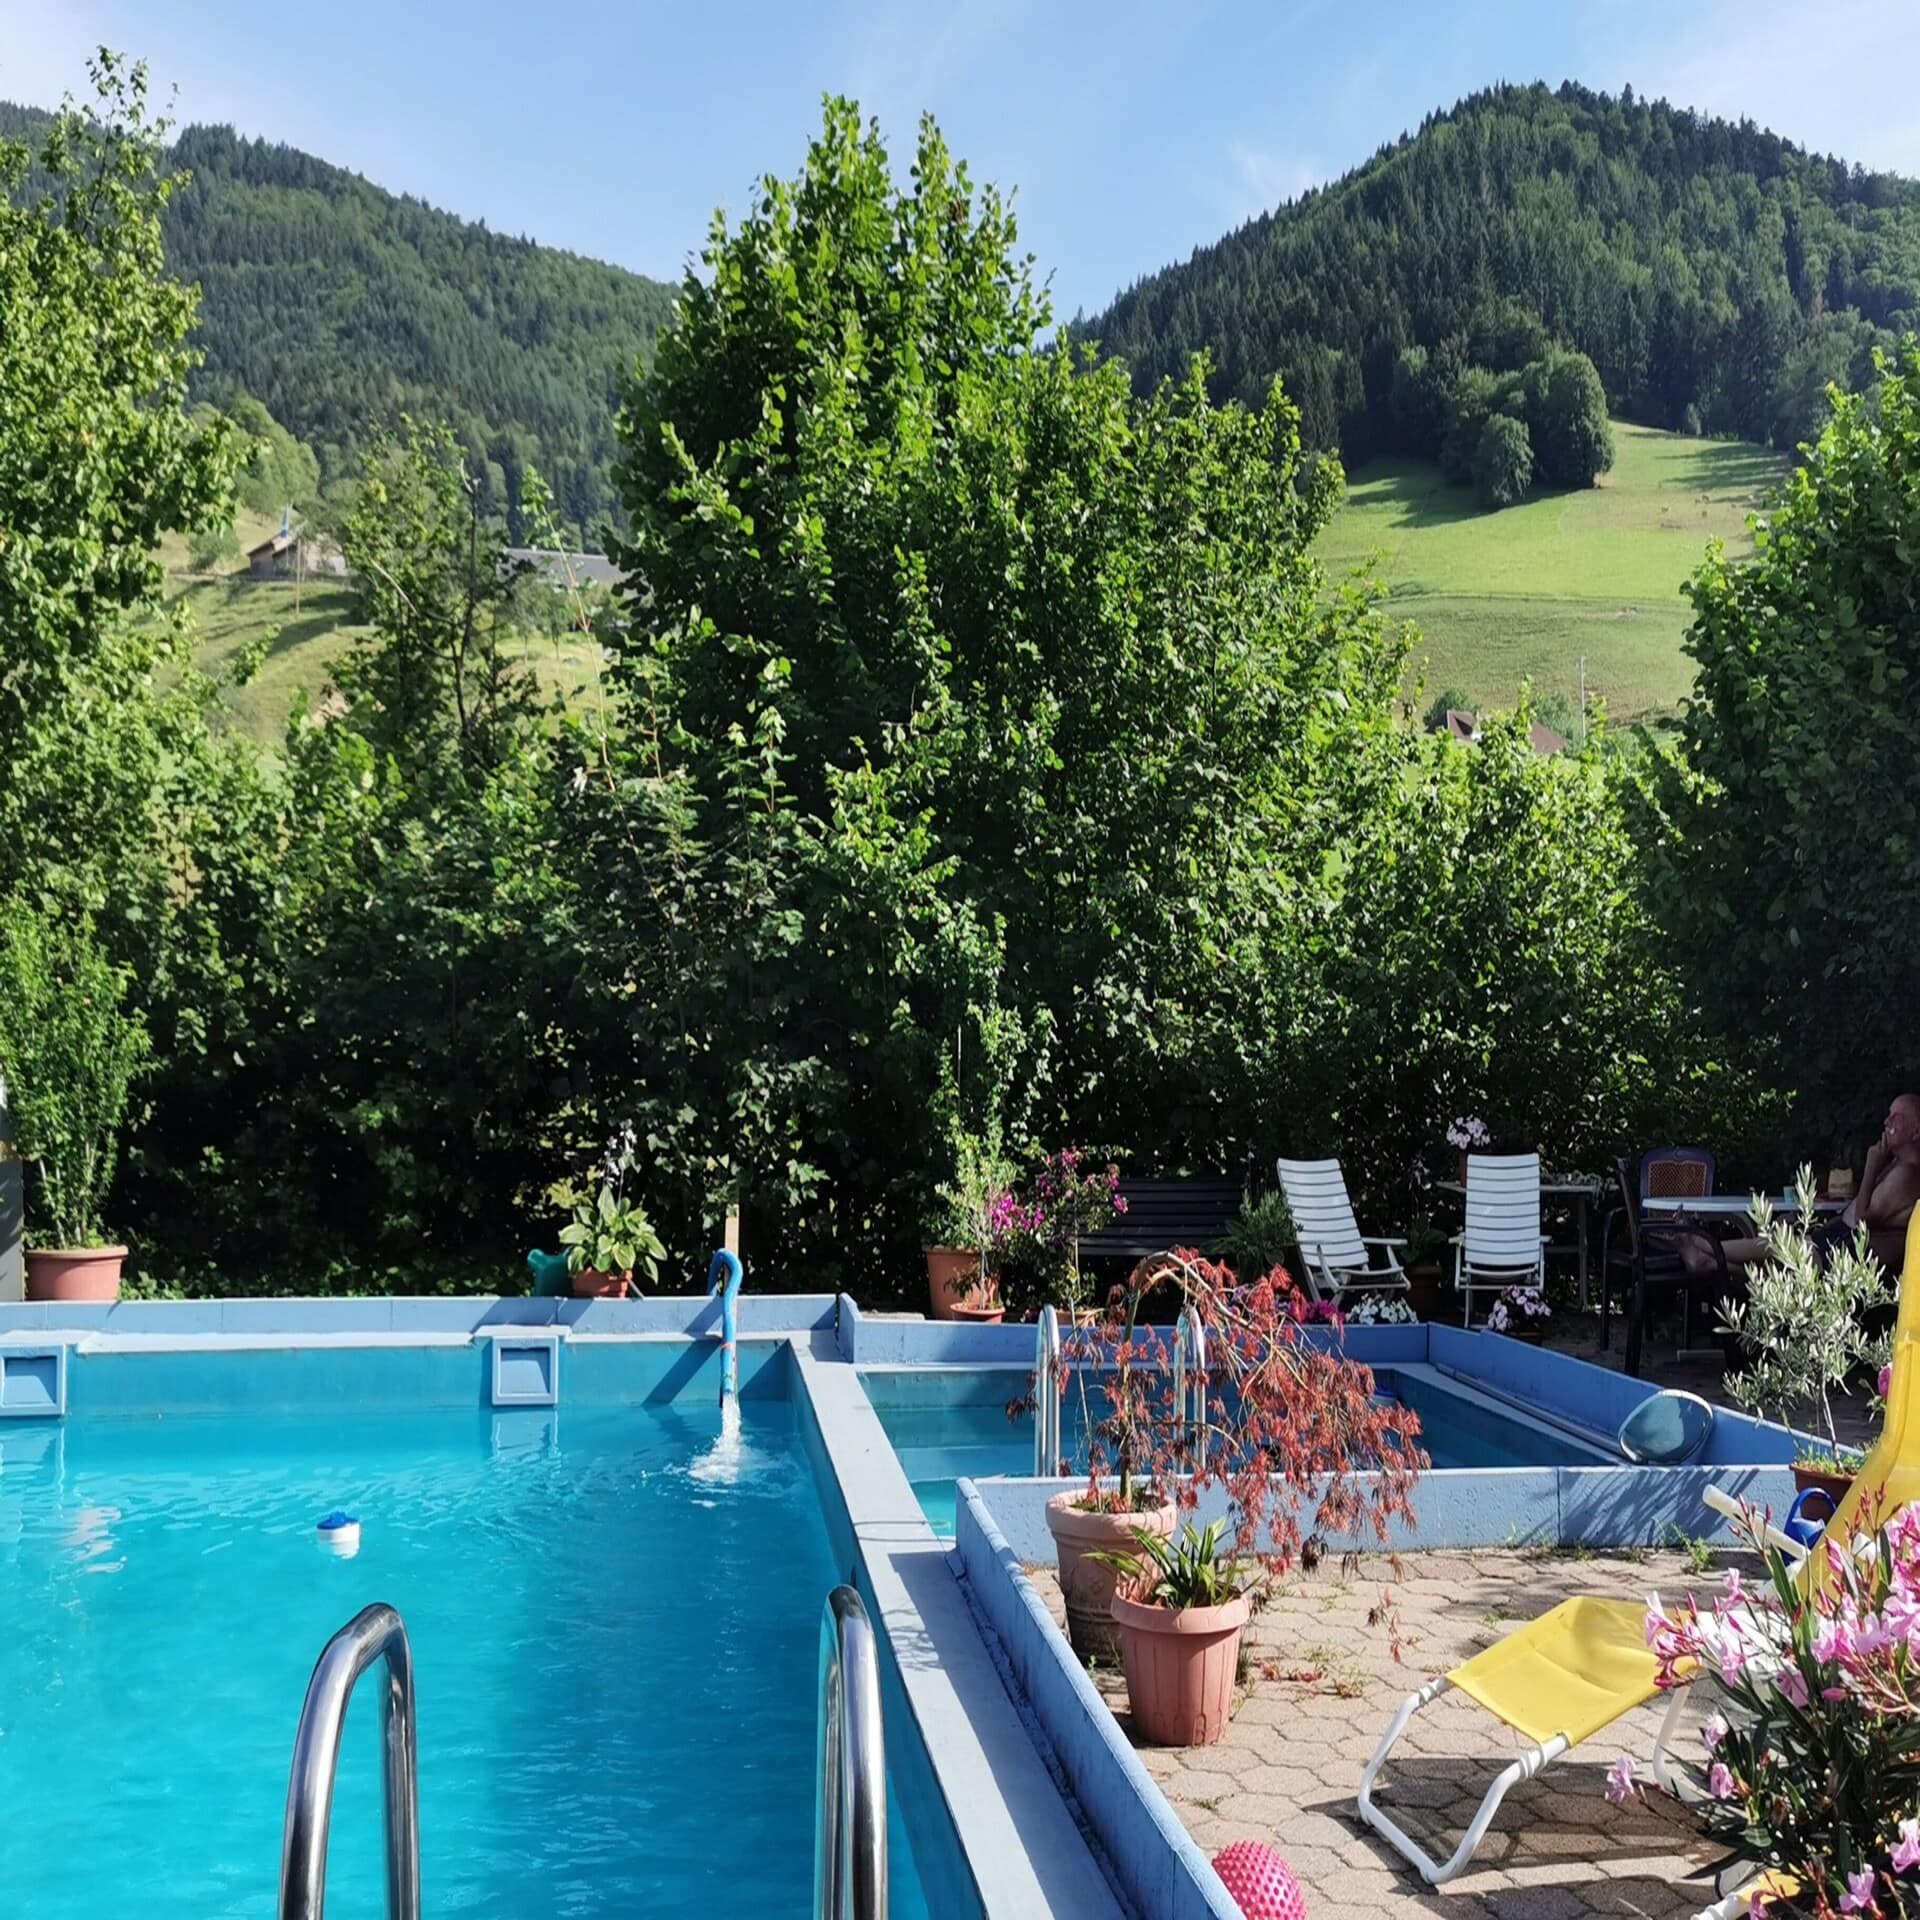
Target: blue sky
{"points": [[1133, 132]]}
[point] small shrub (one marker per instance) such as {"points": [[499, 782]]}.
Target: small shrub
{"points": [[1503, 462]]}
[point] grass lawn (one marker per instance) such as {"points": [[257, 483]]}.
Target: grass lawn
{"points": [[1521, 594]]}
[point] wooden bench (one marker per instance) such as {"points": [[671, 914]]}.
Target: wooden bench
{"points": [[1164, 1214]]}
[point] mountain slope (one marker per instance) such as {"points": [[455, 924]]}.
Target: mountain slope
{"points": [[340, 305], [1717, 275]]}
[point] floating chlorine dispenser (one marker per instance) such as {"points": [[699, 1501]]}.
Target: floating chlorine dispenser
{"points": [[339, 1533]]}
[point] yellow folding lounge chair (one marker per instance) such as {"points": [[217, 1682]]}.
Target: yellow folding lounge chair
{"points": [[1562, 1678]]}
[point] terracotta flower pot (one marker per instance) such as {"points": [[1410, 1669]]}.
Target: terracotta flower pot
{"points": [[74, 1273], [589, 1283], [985, 1313], [1180, 1668], [953, 1275], [1833, 1485], [1087, 1585]]}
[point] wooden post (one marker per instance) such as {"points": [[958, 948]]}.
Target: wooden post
{"points": [[730, 1238], [13, 1270]]}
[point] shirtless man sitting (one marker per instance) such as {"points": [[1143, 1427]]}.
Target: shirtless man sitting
{"points": [[1889, 1189], [1890, 1186]]}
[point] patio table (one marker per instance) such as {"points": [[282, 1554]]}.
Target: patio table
{"points": [[1582, 1189], [1731, 1206]]}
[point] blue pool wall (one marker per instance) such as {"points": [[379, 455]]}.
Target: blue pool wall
{"points": [[1160, 1868], [761, 1313], [1617, 1505]]}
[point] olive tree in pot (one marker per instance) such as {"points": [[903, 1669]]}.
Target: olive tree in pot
{"points": [[1801, 1331], [70, 1051], [1287, 1430]]}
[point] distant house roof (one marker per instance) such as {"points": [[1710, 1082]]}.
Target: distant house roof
{"points": [[564, 569], [276, 542], [1464, 725]]}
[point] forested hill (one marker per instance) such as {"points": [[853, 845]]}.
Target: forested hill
{"points": [[339, 304], [1718, 276]]}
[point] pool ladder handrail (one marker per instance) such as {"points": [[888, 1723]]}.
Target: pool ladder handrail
{"points": [[1048, 1367], [375, 1633], [1190, 1371], [850, 1791]]}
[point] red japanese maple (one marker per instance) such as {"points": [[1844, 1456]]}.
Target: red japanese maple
{"points": [[1290, 1428]]}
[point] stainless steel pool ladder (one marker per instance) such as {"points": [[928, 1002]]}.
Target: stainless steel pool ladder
{"points": [[1190, 1371], [850, 1794], [376, 1633], [1047, 1368]]}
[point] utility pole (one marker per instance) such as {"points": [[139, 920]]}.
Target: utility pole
{"points": [[13, 1284]]}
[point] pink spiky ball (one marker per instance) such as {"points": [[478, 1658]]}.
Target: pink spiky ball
{"points": [[1260, 1881]]}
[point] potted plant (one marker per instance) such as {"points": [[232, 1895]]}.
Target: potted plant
{"points": [[1800, 1330], [1521, 1313], [1381, 1310], [1811, 1773], [1259, 1237], [1095, 1528], [958, 1229], [1294, 1429], [1181, 1606], [1283, 1428], [1036, 1243], [70, 1050], [610, 1238]]}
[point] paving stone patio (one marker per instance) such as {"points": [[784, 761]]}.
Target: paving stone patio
{"points": [[1323, 1687]]}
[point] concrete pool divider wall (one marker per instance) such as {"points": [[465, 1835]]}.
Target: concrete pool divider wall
{"points": [[1019, 1847], [1155, 1859]]}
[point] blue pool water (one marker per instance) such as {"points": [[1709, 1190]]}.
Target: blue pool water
{"points": [[956, 1425], [614, 1644]]}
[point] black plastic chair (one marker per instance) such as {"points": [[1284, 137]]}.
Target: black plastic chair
{"points": [[1666, 1173], [1657, 1253]]}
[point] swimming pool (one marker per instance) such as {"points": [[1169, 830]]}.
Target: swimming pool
{"points": [[614, 1618], [949, 1424]]}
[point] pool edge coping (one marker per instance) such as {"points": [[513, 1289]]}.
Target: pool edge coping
{"points": [[1025, 1850]]}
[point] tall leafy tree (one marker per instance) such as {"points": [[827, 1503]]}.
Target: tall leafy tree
{"points": [[1008, 689], [1794, 853], [98, 459]]}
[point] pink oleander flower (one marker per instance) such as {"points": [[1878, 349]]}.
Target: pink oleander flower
{"points": [[1713, 1729], [1886, 1379], [1621, 1785], [1859, 1894], [1906, 1849], [1834, 1643], [1791, 1685], [1720, 1780]]}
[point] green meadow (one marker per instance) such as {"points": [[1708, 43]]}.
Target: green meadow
{"points": [[307, 628], [1522, 594], [1499, 598]]}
